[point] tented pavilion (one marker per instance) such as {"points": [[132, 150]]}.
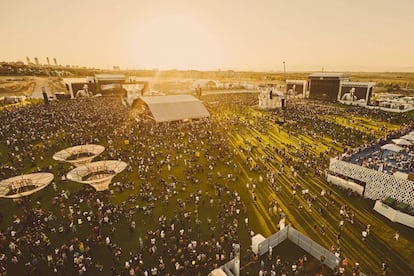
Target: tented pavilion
{"points": [[409, 137], [175, 107], [392, 147], [97, 174], [24, 185], [79, 155], [401, 142]]}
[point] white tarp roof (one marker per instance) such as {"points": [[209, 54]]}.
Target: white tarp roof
{"points": [[409, 137], [401, 142], [392, 147], [217, 272], [175, 107]]}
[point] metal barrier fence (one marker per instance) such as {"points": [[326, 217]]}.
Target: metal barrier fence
{"points": [[273, 241], [307, 244], [313, 248]]}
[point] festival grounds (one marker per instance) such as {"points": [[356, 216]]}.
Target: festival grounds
{"points": [[203, 176]]}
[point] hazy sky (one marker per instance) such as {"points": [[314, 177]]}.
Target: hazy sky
{"points": [[367, 35]]}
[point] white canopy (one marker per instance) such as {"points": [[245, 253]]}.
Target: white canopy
{"points": [[82, 154], [409, 137], [175, 107], [24, 185], [217, 272], [401, 142], [97, 174], [392, 147]]}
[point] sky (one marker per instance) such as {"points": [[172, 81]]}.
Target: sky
{"points": [[308, 35]]}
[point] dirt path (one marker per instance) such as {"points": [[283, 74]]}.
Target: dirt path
{"points": [[37, 91]]}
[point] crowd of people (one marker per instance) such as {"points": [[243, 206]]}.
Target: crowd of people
{"points": [[186, 197]]}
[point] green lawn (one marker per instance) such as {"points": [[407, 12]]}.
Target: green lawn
{"points": [[245, 133]]}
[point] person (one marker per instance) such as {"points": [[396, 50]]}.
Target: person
{"points": [[364, 235], [397, 235], [349, 96], [384, 267]]}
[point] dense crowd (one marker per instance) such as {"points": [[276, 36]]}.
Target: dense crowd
{"points": [[177, 210]]}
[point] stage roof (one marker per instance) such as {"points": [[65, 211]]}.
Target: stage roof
{"points": [[175, 107], [109, 77]]}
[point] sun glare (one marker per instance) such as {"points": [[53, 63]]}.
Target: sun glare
{"points": [[175, 41]]}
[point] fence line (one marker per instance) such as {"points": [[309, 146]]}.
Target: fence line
{"points": [[304, 242], [307, 244]]}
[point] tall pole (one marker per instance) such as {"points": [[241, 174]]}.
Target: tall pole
{"points": [[284, 76]]}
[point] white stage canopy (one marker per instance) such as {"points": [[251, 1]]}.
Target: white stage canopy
{"points": [[175, 107], [392, 147], [401, 142]]}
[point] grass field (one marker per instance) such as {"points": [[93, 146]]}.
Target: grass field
{"points": [[242, 141]]}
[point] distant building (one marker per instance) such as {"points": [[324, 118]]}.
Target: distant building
{"points": [[326, 86], [205, 84]]}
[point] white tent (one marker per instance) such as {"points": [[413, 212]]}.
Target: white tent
{"points": [[392, 147], [217, 272], [401, 142], [409, 137], [175, 107]]}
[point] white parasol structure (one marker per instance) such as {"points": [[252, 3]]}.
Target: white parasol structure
{"points": [[24, 185], [409, 137], [79, 155], [401, 142], [392, 147], [97, 174]]}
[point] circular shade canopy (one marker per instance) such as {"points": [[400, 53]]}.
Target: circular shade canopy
{"points": [[97, 174], [24, 185], [79, 155]]}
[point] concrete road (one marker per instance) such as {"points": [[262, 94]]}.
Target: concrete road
{"points": [[37, 91]]}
